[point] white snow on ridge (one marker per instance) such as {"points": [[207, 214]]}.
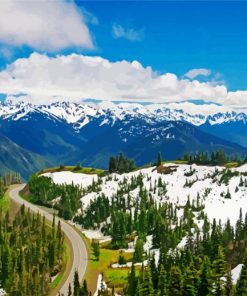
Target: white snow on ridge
{"points": [[216, 206], [71, 112], [242, 169], [211, 191], [67, 177], [78, 115]]}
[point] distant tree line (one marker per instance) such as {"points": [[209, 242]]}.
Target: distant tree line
{"points": [[121, 164], [218, 157]]}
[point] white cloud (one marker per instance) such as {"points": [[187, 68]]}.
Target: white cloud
{"points": [[193, 73], [77, 77], [130, 34], [43, 25]]}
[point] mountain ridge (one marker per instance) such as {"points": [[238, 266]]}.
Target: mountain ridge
{"points": [[73, 113], [67, 133]]}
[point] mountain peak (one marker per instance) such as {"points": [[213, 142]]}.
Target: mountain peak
{"points": [[79, 114]]}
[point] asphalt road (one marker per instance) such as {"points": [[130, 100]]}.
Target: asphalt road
{"points": [[80, 256]]}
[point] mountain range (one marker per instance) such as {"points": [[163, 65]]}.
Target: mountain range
{"points": [[67, 133]]}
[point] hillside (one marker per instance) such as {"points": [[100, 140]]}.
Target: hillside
{"points": [[155, 217], [211, 183], [15, 158]]}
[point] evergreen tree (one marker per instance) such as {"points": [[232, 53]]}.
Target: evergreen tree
{"points": [[147, 285], [190, 282], [218, 274], [132, 282], [162, 282], [228, 284], [159, 159], [76, 291], [138, 254], [175, 283], [241, 287], [96, 249], [204, 280], [70, 290], [29, 254]]}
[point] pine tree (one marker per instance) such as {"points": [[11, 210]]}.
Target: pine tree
{"points": [[70, 290], [218, 274], [175, 282], [228, 284], [241, 287], [76, 291], [138, 254], [162, 282], [96, 249], [159, 159], [147, 285], [204, 280], [132, 282], [112, 164], [27, 254], [190, 282]]}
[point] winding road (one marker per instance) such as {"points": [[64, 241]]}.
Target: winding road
{"points": [[79, 250]]}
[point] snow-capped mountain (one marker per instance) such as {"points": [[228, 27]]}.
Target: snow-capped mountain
{"points": [[67, 132], [80, 114]]}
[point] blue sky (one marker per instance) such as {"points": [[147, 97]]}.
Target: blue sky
{"points": [[178, 36], [172, 37]]}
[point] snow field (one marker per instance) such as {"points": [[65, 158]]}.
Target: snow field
{"points": [[210, 191]]}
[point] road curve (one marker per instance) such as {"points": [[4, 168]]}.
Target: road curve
{"points": [[80, 256]]}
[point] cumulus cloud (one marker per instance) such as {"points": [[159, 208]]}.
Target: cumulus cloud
{"points": [[118, 31], [77, 77], [193, 73], [44, 25]]}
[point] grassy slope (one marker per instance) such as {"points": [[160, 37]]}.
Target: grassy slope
{"points": [[8, 205], [4, 203], [113, 277], [74, 169]]}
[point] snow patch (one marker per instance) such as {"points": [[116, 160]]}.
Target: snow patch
{"points": [[236, 273], [65, 177]]}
